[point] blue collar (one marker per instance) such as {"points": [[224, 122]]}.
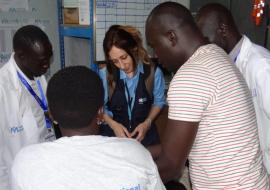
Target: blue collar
{"points": [[123, 75]]}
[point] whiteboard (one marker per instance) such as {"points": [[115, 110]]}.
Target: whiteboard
{"points": [[123, 12]]}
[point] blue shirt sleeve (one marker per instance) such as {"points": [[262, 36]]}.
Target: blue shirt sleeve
{"points": [[159, 89], [103, 75]]}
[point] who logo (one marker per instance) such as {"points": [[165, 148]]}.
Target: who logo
{"points": [[15, 130]]}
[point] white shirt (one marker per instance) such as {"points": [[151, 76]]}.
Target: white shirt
{"points": [[253, 61], [86, 162], [21, 118]]}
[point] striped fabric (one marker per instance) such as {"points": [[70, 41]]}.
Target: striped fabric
{"points": [[210, 90]]}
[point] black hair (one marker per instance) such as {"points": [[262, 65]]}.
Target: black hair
{"points": [[177, 11], [26, 36], [74, 96], [222, 13]]}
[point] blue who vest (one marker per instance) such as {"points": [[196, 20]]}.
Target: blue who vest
{"points": [[118, 105]]}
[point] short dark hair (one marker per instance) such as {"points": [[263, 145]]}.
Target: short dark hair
{"points": [[25, 37], [74, 96], [222, 13], [177, 11]]}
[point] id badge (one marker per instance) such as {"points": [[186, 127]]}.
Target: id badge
{"points": [[50, 136]]}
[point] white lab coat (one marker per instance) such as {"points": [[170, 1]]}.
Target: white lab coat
{"points": [[18, 126], [254, 63]]}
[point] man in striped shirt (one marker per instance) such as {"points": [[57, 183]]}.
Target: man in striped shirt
{"points": [[211, 116]]}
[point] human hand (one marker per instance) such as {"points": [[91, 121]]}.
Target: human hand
{"points": [[100, 118], [141, 130], [119, 130]]}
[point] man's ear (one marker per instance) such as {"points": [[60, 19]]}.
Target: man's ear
{"points": [[223, 30], [19, 55], [171, 36]]}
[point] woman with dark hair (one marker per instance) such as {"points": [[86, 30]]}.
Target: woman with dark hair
{"points": [[134, 87]]}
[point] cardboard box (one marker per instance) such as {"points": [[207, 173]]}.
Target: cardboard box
{"points": [[71, 15], [76, 12]]}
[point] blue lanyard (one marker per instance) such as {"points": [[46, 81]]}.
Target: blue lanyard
{"points": [[235, 59], [42, 102], [129, 100]]}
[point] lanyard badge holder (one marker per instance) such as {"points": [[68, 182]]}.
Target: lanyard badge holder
{"points": [[42, 102]]}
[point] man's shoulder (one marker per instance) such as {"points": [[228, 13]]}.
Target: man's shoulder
{"points": [[129, 148], [133, 152], [258, 59], [32, 149], [261, 53], [30, 160], [5, 72], [28, 156], [126, 142], [255, 51], [5, 79], [7, 76], [208, 56]]}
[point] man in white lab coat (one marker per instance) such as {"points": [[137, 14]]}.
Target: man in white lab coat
{"points": [[22, 97], [253, 61]]}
